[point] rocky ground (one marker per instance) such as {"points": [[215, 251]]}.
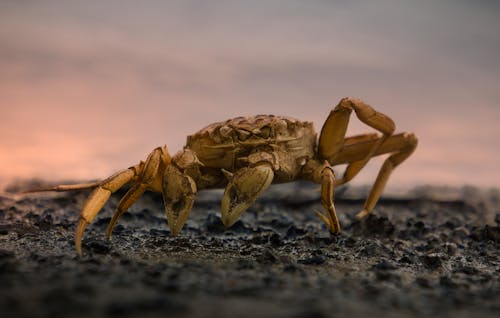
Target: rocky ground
{"points": [[428, 252]]}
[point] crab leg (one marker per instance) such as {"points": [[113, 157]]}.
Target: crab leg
{"points": [[327, 198], [66, 187], [331, 140], [400, 146], [357, 147], [147, 176], [405, 145], [99, 197], [355, 166]]}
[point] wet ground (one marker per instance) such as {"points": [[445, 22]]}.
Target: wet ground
{"points": [[428, 252]]}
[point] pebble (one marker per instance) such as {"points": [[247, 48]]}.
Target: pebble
{"points": [[374, 226], [385, 266], [432, 261], [99, 246], [314, 259], [268, 256], [213, 223], [293, 232]]}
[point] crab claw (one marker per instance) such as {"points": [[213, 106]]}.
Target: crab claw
{"points": [[179, 191], [243, 189]]}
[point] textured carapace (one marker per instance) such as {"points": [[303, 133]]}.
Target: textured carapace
{"points": [[284, 142]]}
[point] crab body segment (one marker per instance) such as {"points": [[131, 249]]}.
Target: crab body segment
{"points": [[284, 143], [245, 155]]}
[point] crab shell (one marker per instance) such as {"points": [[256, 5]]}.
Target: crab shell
{"points": [[240, 142]]}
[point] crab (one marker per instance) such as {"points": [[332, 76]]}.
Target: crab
{"points": [[245, 155]]}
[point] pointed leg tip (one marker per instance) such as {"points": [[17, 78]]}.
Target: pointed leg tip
{"points": [[109, 231], [112, 223], [175, 227], [108, 236], [228, 222], [335, 229], [361, 215], [79, 251], [80, 228]]}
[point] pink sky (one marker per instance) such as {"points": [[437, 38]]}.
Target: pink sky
{"points": [[89, 88]]}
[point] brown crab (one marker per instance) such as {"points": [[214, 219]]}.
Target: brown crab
{"points": [[245, 155]]}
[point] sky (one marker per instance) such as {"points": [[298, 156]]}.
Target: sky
{"points": [[91, 87]]}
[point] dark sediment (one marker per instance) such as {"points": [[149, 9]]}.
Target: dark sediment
{"points": [[431, 252]]}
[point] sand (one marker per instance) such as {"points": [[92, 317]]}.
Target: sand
{"points": [[427, 252]]}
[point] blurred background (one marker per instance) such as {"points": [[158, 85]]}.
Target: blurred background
{"points": [[91, 87]]}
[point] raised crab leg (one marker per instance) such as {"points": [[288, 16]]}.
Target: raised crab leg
{"points": [[332, 140], [355, 166], [334, 129]]}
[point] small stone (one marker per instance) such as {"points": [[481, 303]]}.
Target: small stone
{"points": [[6, 254], [290, 268], [375, 249], [432, 261], [385, 266], [268, 256], [275, 239], [99, 247], [281, 222], [460, 233], [240, 228], [350, 242], [486, 233], [245, 264], [387, 276], [423, 282], [449, 225], [375, 226], [214, 223], [407, 259], [450, 248], [294, 232], [469, 270], [317, 258], [447, 281]]}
